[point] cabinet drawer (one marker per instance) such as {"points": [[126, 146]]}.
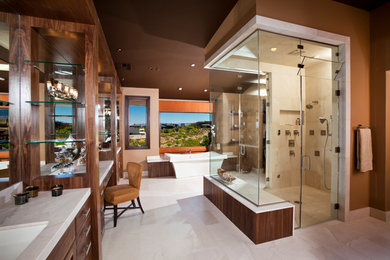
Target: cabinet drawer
{"points": [[84, 241], [83, 215]]}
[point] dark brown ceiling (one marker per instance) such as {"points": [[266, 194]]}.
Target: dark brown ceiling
{"points": [[364, 4], [160, 40]]}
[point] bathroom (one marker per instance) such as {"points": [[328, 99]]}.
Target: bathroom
{"points": [[275, 102]]}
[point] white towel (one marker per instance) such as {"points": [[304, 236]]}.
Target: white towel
{"points": [[364, 150]]}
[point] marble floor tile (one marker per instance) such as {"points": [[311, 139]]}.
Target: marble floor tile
{"points": [[180, 223]]}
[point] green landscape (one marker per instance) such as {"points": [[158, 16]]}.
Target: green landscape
{"points": [[189, 135]]}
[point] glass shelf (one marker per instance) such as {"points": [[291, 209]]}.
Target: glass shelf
{"points": [[55, 102], [73, 134], [7, 62], [55, 141], [54, 63]]}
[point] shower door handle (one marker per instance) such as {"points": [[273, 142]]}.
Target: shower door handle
{"points": [[308, 162]]}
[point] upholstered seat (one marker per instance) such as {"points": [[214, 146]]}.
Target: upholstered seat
{"points": [[120, 193], [117, 194]]}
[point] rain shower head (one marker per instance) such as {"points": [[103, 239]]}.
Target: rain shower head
{"points": [[322, 119]]}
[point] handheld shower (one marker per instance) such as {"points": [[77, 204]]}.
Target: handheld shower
{"points": [[323, 120]]}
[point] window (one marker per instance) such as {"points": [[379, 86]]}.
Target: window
{"points": [[137, 130], [184, 129]]}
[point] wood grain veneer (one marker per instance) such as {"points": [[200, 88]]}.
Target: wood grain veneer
{"points": [[160, 169], [260, 227]]}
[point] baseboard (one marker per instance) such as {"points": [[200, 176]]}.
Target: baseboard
{"points": [[380, 214], [359, 213]]}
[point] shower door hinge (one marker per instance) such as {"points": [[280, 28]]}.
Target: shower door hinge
{"points": [[300, 47], [337, 93], [337, 149], [268, 141], [301, 66], [337, 206]]}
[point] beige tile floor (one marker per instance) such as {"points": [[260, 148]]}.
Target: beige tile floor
{"points": [[180, 223]]}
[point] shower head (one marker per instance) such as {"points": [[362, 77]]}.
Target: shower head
{"points": [[322, 119]]}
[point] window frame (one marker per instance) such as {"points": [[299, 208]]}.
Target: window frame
{"points": [[127, 102]]}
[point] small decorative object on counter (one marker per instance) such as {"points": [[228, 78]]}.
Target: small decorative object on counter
{"points": [[32, 191], [56, 190], [82, 159], [21, 198], [226, 177]]}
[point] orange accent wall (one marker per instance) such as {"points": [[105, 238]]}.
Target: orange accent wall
{"points": [[4, 97], [195, 149], [184, 106]]}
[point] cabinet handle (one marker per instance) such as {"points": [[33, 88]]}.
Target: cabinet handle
{"points": [[88, 248], [87, 212], [87, 232]]}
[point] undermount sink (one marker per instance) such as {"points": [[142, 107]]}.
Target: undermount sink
{"points": [[14, 239]]}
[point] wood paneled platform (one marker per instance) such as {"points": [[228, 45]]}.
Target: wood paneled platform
{"points": [[266, 224]]}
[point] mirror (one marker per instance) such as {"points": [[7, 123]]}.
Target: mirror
{"points": [[9, 109]]}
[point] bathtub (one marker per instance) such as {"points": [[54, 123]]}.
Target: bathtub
{"points": [[197, 164]]}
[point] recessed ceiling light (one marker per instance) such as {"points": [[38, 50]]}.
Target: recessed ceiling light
{"points": [[205, 90], [1, 78], [119, 50], [273, 49], [317, 57], [180, 89], [193, 65]]}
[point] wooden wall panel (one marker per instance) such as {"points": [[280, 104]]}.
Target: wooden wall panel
{"points": [[184, 106], [195, 149], [160, 169], [260, 227], [91, 115]]}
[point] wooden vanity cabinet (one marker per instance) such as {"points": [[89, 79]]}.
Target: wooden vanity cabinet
{"points": [[76, 243]]}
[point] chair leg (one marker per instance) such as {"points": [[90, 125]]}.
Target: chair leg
{"points": [[133, 203], [140, 206], [115, 214]]}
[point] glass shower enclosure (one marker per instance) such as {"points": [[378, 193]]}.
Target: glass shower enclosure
{"points": [[275, 119]]}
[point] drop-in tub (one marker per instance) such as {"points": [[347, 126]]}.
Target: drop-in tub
{"points": [[197, 164]]}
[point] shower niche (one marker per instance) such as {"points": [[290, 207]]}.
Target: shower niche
{"points": [[272, 97]]}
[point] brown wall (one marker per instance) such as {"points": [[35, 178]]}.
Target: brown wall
{"points": [[380, 105], [139, 155], [332, 17]]}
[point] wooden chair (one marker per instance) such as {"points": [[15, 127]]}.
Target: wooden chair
{"points": [[117, 194]]}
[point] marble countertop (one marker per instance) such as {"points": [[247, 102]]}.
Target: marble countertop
{"points": [[59, 212], [156, 158], [104, 169]]}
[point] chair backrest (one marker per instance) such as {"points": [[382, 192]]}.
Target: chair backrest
{"points": [[134, 171]]}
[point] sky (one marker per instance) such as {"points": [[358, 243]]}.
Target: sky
{"points": [[137, 115], [63, 110], [178, 118]]}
